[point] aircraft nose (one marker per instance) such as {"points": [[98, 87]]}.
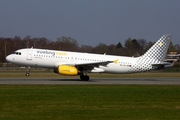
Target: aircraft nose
{"points": [[9, 58]]}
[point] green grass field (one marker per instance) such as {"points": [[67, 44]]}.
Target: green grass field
{"points": [[90, 102], [79, 102]]}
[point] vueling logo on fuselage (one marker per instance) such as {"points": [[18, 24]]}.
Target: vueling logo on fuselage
{"points": [[47, 52], [61, 53]]}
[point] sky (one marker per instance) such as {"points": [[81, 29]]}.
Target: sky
{"points": [[91, 22]]}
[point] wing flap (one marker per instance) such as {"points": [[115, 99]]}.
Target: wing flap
{"points": [[93, 63]]}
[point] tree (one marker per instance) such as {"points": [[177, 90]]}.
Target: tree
{"points": [[132, 47], [148, 45], [101, 48], [142, 45], [67, 43], [177, 47], [128, 43], [86, 48], [171, 48], [119, 45], [27, 40]]}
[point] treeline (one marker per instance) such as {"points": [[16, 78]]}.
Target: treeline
{"points": [[131, 47]]}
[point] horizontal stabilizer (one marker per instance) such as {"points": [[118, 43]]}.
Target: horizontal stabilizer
{"points": [[163, 64]]}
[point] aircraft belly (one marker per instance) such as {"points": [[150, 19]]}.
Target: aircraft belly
{"points": [[115, 69], [36, 62]]}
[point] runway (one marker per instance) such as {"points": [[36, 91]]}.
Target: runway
{"points": [[100, 81]]}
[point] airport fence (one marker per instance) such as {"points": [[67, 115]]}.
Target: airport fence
{"points": [[11, 67]]}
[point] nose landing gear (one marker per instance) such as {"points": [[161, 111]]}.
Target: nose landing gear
{"points": [[28, 72]]}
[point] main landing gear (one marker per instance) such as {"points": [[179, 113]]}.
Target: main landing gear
{"points": [[28, 70], [84, 77], [83, 74]]}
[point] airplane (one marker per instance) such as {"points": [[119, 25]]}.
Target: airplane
{"points": [[77, 63]]}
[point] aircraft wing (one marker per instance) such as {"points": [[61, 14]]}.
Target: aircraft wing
{"points": [[91, 65]]}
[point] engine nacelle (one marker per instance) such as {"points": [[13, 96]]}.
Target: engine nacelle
{"points": [[66, 70]]}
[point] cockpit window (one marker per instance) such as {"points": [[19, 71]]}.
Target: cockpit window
{"points": [[17, 53]]}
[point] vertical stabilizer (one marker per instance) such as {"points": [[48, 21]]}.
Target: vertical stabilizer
{"points": [[154, 56], [159, 50]]}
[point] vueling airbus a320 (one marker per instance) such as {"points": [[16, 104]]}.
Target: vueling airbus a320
{"points": [[76, 63]]}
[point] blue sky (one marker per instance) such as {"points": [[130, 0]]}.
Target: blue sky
{"points": [[91, 22]]}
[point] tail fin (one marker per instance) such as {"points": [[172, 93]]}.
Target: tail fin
{"points": [[159, 50], [154, 58]]}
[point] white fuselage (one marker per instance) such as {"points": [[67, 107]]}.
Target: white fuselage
{"points": [[53, 58]]}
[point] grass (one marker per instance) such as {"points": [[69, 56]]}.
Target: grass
{"points": [[79, 102]]}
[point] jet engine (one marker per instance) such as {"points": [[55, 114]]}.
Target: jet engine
{"points": [[66, 70]]}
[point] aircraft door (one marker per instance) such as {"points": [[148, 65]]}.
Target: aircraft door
{"points": [[29, 55]]}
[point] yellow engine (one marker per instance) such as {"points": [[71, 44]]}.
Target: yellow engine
{"points": [[66, 70]]}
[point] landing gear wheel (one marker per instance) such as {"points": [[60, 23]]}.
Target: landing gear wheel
{"points": [[84, 77], [28, 70], [27, 74]]}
